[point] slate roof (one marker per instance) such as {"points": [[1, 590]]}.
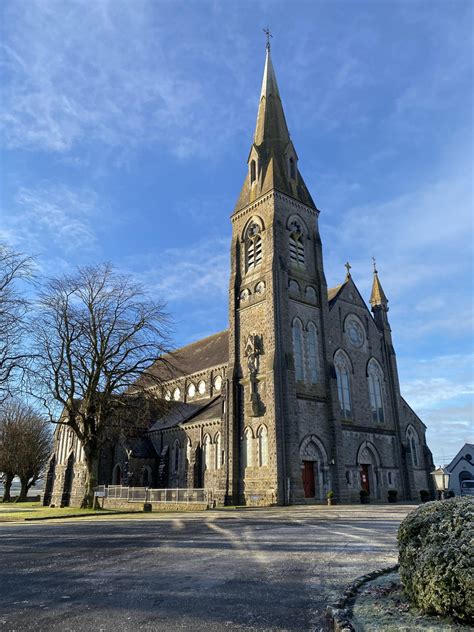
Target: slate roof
{"points": [[197, 356], [180, 413], [334, 291]]}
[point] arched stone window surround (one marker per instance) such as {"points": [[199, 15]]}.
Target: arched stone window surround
{"points": [[247, 447], [201, 387], [206, 451], [313, 449], [343, 368], [177, 394], [294, 286], [176, 456], [168, 395], [191, 389], [260, 288], [253, 243], [117, 474], [413, 441], [298, 348], [218, 382], [146, 476], [310, 294], [262, 438], [312, 346], [375, 380], [353, 318], [218, 450], [296, 240], [253, 171]]}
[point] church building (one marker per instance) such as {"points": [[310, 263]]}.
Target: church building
{"points": [[300, 395]]}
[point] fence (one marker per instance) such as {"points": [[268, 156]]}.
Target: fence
{"points": [[148, 495]]}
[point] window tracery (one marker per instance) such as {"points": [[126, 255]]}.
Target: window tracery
{"points": [[412, 438], [374, 378], [343, 385]]}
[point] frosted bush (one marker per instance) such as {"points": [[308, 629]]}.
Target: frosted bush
{"points": [[436, 561]]}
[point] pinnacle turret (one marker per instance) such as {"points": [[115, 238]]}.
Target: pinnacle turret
{"points": [[378, 298]]}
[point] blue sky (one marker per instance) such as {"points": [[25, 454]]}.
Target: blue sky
{"points": [[126, 128]]}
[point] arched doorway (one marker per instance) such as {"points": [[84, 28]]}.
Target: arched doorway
{"points": [[68, 476], [48, 488], [314, 469], [368, 462], [117, 475]]}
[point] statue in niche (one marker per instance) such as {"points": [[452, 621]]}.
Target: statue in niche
{"points": [[253, 350]]}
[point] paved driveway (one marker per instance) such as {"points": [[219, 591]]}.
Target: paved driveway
{"points": [[247, 570]]}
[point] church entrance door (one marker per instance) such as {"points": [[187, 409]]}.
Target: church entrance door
{"points": [[308, 479], [364, 478]]}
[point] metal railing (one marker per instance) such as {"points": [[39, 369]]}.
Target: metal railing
{"points": [[149, 495]]}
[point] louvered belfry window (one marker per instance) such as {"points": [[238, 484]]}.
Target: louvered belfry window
{"points": [[254, 246], [296, 244]]}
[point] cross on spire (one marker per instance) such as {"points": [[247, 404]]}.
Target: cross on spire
{"points": [[348, 267], [268, 34], [374, 263]]}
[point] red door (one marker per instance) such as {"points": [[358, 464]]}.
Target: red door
{"points": [[308, 479], [364, 477]]}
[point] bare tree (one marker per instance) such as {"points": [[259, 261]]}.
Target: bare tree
{"points": [[14, 268], [25, 446], [96, 335]]}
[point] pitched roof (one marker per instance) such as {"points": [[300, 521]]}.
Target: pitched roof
{"points": [[334, 291], [180, 413], [197, 356]]}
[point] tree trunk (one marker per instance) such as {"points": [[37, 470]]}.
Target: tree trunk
{"points": [[7, 484], [91, 454], [23, 491]]}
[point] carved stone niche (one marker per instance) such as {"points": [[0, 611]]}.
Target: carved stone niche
{"points": [[253, 349]]}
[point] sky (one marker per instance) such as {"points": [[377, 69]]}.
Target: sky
{"points": [[126, 126]]}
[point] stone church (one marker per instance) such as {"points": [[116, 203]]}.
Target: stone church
{"points": [[300, 395]]}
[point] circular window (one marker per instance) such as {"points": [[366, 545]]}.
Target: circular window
{"points": [[355, 334], [191, 390], [218, 383], [202, 387]]}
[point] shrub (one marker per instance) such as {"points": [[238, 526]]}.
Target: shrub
{"points": [[330, 494], [392, 495], [424, 495], [435, 558]]}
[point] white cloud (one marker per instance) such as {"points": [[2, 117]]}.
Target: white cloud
{"points": [[52, 214]]}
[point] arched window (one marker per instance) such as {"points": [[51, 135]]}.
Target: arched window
{"points": [[247, 448], [253, 171], [253, 243], [202, 387], [297, 330], [343, 385], [218, 455], [296, 244], [117, 475], [218, 383], [167, 396], [176, 456], [262, 436], [313, 352], [176, 394], [292, 169], [191, 390], [206, 452], [412, 439], [374, 377]]}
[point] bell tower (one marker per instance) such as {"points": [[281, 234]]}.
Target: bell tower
{"points": [[277, 304]]}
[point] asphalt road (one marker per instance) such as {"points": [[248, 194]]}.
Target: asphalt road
{"points": [[239, 570]]}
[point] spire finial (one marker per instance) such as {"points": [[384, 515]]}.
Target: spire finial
{"points": [[348, 267], [268, 34], [374, 263]]}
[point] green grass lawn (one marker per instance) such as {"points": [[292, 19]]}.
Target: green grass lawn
{"points": [[11, 512]]}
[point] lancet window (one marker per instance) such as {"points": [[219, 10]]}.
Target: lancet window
{"points": [[313, 352], [412, 439], [374, 377], [298, 354], [262, 436], [343, 384]]}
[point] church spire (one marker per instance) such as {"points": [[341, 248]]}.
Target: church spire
{"points": [[378, 298], [272, 161]]}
